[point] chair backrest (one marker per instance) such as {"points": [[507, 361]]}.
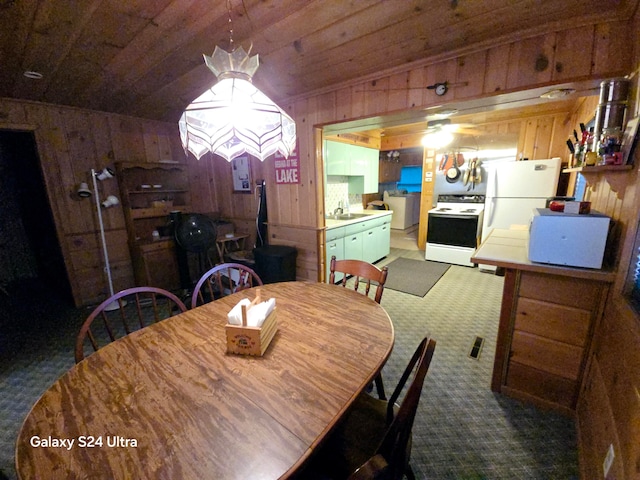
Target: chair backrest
{"points": [[395, 443], [222, 280], [125, 312], [361, 271]]}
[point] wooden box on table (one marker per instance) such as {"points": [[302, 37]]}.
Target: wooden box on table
{"points": [[246, 340]]}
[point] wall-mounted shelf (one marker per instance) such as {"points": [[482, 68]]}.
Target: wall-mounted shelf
{"points": [[611, 173], [598, 168]]}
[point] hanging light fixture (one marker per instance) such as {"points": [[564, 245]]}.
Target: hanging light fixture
{"points": [[234, 117]]}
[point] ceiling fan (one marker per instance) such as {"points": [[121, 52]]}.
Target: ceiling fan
{"points": [[446, 125]]}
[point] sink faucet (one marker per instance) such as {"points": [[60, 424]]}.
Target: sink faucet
{"points": [[339, 210]]}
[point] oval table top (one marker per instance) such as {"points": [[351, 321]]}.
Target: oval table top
{"points": [[167, 401]]}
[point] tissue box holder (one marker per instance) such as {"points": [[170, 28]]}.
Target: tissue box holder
{"points": [[251, 340]]}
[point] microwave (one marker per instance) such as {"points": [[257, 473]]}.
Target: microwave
{"points": [[573, 240]]}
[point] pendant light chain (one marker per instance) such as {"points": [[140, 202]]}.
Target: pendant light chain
{"points": [[231, 46]]}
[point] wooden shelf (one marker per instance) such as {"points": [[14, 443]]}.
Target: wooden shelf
{"points": [[598, 168], [137, 213], [146, 210], [154, 191]]}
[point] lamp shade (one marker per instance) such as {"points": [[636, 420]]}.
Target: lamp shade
{"points": [[233, 117]]}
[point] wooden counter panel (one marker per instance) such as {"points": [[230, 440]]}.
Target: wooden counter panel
{"points": [[596, 426], [573, 292], [509, 249], [552, 388], [547, 355], [553, 321]]}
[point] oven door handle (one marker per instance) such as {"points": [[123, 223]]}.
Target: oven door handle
{"points": [[452, 215]]}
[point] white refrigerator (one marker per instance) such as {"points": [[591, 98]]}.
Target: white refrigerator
{"points": [[514, 190]]}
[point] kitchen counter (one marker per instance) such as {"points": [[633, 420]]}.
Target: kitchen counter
{"points": [[509, 249], [366, 236], [331, 222], [547, 318]]}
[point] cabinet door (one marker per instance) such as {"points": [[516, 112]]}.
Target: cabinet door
{"points": [[365, 166], [376, 243], [388, 172], [337, 160], [161, 268], [383, 238], [334, 247], [370, 249], [372, 170], [353, 246]]}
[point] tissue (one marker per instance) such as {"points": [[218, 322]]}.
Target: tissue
{"points": [[234, 317], [256, 314]]}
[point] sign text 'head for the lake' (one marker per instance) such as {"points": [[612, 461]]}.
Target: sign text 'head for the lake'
{"points": [[287, 169]]}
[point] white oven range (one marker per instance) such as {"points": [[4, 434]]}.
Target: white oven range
{"points": [[455, 229]]}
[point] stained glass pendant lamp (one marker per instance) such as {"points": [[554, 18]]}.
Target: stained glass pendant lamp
{"points": [[233, 117]]}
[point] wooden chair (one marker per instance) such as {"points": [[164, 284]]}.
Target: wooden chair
{"points": [[362, 272], [222, 280], [124, 312], [374, 440]]}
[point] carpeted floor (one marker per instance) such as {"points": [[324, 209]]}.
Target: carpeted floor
{"points": [[462, 431]]}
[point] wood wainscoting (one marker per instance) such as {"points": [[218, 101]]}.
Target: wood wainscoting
{"points": [[70, 142]]}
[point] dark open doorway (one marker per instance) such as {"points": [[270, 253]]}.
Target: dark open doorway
{"points": [[30, 254]]}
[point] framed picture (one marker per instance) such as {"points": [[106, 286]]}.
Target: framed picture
{"points": [[241, 174], [629, 141]]}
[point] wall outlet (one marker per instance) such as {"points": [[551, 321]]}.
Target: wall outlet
{"points": [[608, 460]]}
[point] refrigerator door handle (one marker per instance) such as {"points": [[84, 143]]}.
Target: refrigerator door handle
{"points": [[489, 210], [492, 189]]}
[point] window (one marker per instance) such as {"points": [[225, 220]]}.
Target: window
{"points": [[411, 178], [632, 287]]}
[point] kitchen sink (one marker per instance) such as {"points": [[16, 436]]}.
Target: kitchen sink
{"points": [[347, 216]]}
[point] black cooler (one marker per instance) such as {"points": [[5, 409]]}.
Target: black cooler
{"points": [[275, 263]]}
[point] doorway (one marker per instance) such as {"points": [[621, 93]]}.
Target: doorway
{"points": [[30, 254]]}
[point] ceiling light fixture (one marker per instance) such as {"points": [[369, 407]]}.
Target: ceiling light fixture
{"points": [[234, 117], [558, 93], [446, 113], [33, 75], [437, 140]]}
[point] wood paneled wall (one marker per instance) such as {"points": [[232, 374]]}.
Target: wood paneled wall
{"points": [[212, 192], [70, 143], [574, 53], [609, 406], [609, 411]]}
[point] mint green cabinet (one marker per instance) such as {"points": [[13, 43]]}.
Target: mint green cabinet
{"points": [[360, 164], [337, 159], [368, 239], [376, 242], [334, 245], [353, 245]]}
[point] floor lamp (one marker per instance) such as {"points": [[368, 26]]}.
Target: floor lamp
{"points": [[111, 200]]}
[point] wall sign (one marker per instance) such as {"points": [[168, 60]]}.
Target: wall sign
{"points": [[288, 169], [241, 173]]}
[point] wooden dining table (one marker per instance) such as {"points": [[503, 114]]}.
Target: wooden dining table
{"points": [[169, 402]]}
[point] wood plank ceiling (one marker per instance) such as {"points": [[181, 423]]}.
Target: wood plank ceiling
{"points": [[144, 57]]}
